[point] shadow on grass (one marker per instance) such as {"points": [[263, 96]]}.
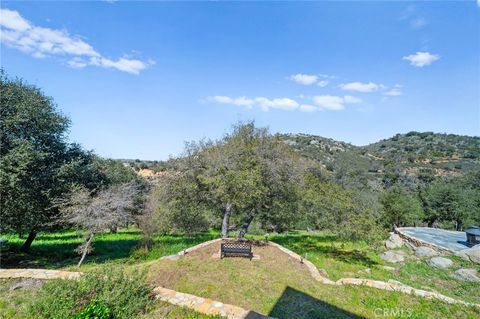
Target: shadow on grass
{"points": [[295, 304], [58, 250], [303, 244]]}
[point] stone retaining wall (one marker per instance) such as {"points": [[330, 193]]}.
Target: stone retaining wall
{"points": [[418, 242]]}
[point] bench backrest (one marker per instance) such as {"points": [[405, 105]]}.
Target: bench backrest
{"points": [[236, 246]]}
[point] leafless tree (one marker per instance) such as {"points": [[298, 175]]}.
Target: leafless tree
{"points": [[108, 208]]}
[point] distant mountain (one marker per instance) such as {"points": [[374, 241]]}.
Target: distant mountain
{"points": [[410, 158]]}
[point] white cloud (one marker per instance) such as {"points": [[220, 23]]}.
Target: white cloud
{"points": [[361, 87], [334, 103], [304, 79], [18, 33], [278, 103], [320, 102], [239, 101], [12, 20], [263, 103], [309, 108], [396, 91], [421, 59], [309, 79], [322, 83]]}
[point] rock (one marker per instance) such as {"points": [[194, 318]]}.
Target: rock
{"points": [[440, 262], [323, 272], [393, 256], [462, 254], [473, 253], [424, 251], [27, 284], [466, 274], [394, 242]]}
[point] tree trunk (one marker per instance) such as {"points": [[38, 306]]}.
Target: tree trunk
{"points": [[85, 249], [226, 217], [246, 223], [113, 229], [458, 225], [31, 236]]}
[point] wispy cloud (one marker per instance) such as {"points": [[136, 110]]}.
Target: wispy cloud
{"points": [[333, 102], [418, 23], [415, 20], [18, 33], [304, 79], [264, 103], [321, 80], [421, 59], [361, 87], [239, 101], [395, 91]]}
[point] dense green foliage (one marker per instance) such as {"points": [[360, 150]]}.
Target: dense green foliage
{"points": [[247, 174], [109, 293], [38, 166]]}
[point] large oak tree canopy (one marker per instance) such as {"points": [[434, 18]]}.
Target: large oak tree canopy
{"points": [[245, 175], [37, 164]]}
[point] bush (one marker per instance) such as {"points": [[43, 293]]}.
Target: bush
{"points": [[95, 310], [100, 294]]}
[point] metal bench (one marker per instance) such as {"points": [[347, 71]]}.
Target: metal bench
{"points": [[236, 248]]}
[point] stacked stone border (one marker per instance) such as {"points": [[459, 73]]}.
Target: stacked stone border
{"points": [[38, 274], [212, 307], [418, 242], [205, 305]]}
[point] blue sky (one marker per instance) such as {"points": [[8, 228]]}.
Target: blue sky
{"points": [[140, 78]]}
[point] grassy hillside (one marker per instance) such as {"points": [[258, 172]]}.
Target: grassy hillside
{"points": [[411, 158]]}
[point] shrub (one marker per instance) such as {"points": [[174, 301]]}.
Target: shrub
{"points": [[95, 310], [100, 294]]}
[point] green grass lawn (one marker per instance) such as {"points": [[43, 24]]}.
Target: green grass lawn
{"points": [[290, 289], [349, 259], [278, 286], [57, 250]]}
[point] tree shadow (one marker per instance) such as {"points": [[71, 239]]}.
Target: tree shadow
{"points": [[50, 253], [294, 304]]}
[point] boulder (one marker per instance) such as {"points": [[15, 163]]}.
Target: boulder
{"points": [[393, 256], [424, 251], [473, 253], [440, 262], [462, 254], [394, 242], [466, 274], [27, 284]]}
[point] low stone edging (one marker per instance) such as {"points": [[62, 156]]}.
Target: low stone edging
{"points": [[38, 274], [419, 242], [205, 305]]}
